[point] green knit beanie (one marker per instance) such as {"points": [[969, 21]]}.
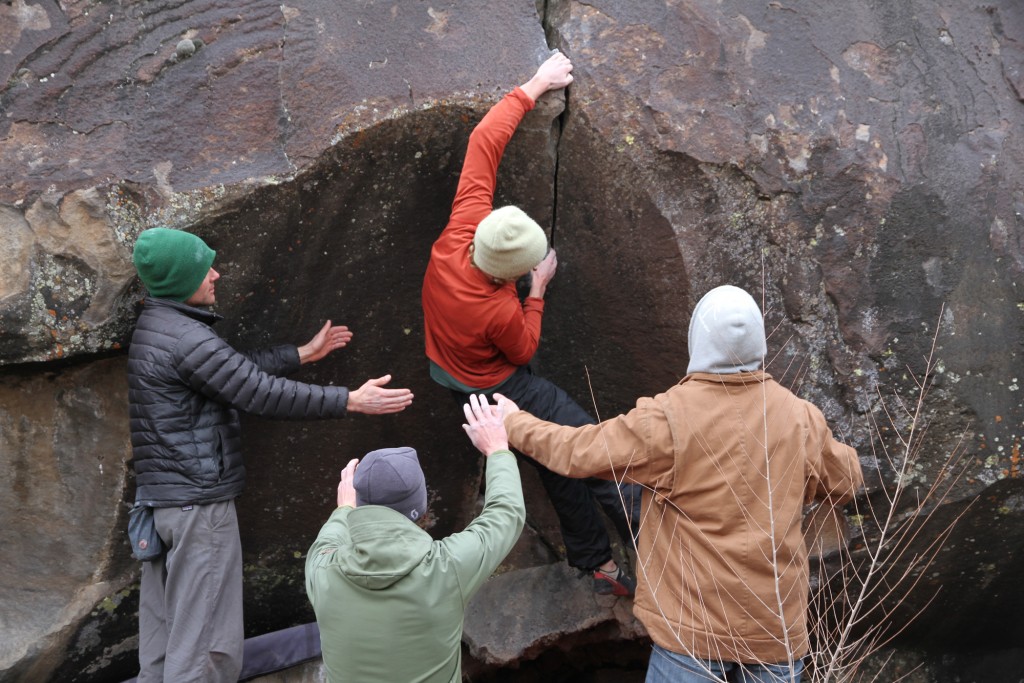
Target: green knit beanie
{"points": [[508, 243], [171, 263]]}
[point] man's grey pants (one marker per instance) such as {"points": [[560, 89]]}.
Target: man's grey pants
{"points": [[190, 600]]}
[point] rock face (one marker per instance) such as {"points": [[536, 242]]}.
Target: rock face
{"points": [[63, 447], [854, 165]]}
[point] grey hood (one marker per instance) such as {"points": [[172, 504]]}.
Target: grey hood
{"points": [[726, 333]]}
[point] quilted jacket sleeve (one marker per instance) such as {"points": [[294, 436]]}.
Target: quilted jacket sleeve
{"points": [[280, 360], [213, 368]]}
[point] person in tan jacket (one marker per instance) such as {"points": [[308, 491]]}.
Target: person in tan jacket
{"points": [[727, 458]]}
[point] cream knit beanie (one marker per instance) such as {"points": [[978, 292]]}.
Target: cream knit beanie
{"points": [[508, 243]]}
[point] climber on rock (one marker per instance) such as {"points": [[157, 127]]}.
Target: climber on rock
{"points": [[480, 338]]}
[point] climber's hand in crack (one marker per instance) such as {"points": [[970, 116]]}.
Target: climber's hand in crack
{"points": [[542, 274], [554, 73]]}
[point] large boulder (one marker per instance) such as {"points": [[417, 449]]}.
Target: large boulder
{"points": [[853, 165], [290, 138]]}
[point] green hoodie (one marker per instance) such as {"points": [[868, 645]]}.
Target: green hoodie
{"points": [[390, 601]]}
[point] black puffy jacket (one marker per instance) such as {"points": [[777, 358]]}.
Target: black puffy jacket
{"points": [[185, 388]]}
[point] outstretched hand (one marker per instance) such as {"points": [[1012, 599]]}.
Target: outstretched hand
{"points": [[554, 73], [506, 406], [347, 487], [484, 425], [373, 399], [326, 340]]}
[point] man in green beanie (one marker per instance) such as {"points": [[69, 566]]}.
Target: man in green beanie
{"points": [[480, 338], [186, 387]]}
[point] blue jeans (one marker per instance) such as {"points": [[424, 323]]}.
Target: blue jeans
{"points": [[670, 667]]}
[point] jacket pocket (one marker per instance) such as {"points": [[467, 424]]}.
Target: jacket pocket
{"points": [[229, 452], [210, 459]]}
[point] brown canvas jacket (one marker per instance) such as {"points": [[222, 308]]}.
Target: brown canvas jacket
{"points": [[727, 462]]}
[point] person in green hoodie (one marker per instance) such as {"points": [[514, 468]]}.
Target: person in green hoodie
{"points": [[389, 600]]}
